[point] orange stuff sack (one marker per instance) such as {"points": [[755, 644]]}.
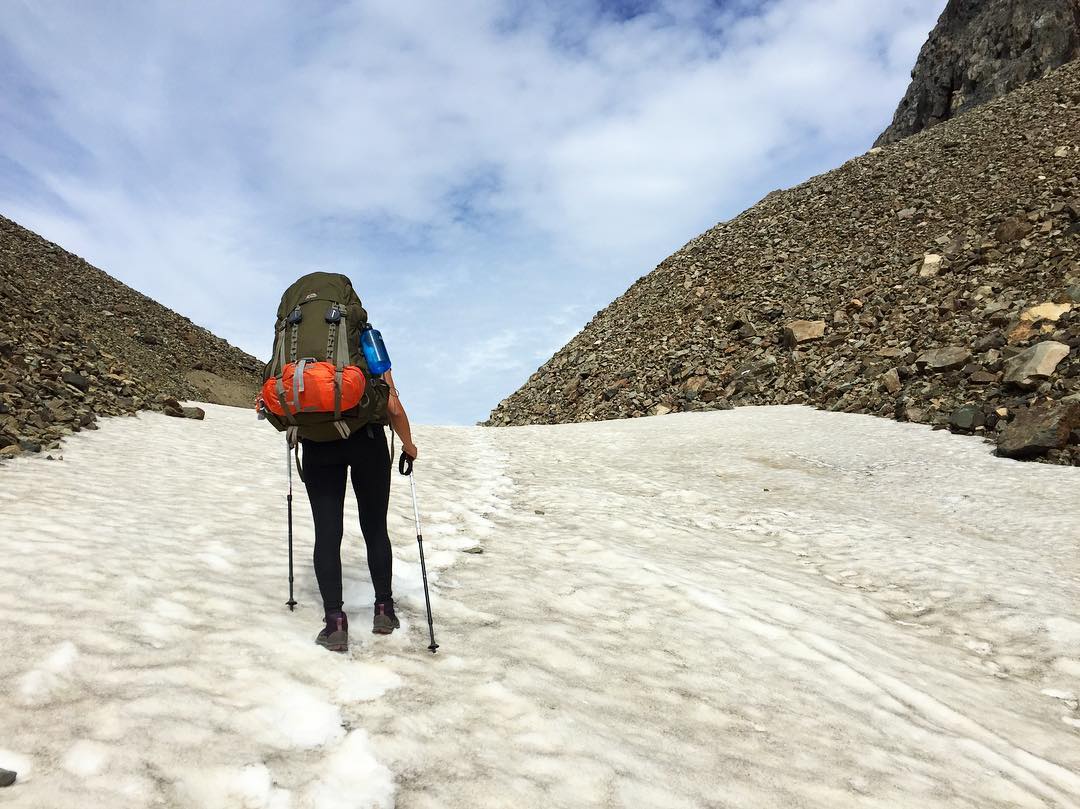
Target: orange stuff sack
{"points": [[316, 394]]}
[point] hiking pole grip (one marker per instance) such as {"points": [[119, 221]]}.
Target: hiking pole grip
{"points": [[405, 463]]}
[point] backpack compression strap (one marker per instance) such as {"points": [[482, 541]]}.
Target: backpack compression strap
{"points": [[294, 318], [298, 381], [279, 373], [341, 359], [337, 345]]}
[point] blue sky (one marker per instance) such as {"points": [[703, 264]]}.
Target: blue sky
{"points": [[489, 174]]}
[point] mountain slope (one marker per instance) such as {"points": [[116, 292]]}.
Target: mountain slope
{"points": [[945, 240], [711, 609], [76, 344], [982, 49]]}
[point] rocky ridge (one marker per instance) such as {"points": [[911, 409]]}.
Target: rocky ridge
{"points": [[935, 280], [76, 345], [980, 50]]}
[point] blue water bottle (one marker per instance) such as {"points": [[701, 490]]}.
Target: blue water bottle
{"points": [[378, 361]]}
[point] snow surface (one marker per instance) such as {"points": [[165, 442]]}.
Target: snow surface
{"points": [[756, 608]]}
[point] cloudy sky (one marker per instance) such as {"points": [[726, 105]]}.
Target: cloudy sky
{"points": [[489, 174]]}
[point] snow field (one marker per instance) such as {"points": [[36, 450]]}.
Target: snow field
{"points": [[760, 607]]}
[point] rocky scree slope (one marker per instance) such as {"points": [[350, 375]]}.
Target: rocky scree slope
{"points": [[936, 280], [76, 344], [980, 50]]}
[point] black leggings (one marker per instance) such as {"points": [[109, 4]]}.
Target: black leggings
{"points": [[325, 465]]}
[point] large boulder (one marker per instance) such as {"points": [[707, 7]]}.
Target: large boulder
{"points": [[1039, 429], [1031, 367]]}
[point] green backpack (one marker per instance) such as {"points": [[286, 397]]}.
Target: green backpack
{"points": [[319, 321]]}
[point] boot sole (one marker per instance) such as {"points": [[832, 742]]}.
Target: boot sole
{"points": [[336, 642]]}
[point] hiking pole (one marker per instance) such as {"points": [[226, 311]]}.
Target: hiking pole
{"points": [[405, 467], [291, 603]]}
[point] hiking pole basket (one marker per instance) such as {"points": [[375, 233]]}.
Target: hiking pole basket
{"points": [[291, 603], [405, 467]]}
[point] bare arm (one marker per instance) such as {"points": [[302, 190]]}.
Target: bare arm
{"points": [[399, 421]]}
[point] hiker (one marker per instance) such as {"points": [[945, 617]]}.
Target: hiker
{"points": [[331, 391]]}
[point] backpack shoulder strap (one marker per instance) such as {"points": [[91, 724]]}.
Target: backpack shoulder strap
{"points": [[341, 360], [278, 372]]}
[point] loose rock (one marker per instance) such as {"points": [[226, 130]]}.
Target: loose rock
{"points": [[803, 331], [1045, 311], [1013, 228], [931, 265], [967, 418], [891, 380], [939, 360]]}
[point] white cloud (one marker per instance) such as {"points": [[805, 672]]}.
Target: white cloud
{"points": [[480, 168]]}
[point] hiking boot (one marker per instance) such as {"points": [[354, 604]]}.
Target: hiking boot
{"points": [[385, 621], [335, 635], [7, 778]]}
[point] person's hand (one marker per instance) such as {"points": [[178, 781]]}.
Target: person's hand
{"points": [[410, 449]]}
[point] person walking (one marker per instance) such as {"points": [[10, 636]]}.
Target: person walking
{"points": [[329, 387], [365, 455]]}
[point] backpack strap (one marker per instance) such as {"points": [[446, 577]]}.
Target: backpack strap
{"points": [[279, 389], [279, 371], [292, 435], [298, 381], [337, 351], [277, 360], [341, 359]]}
